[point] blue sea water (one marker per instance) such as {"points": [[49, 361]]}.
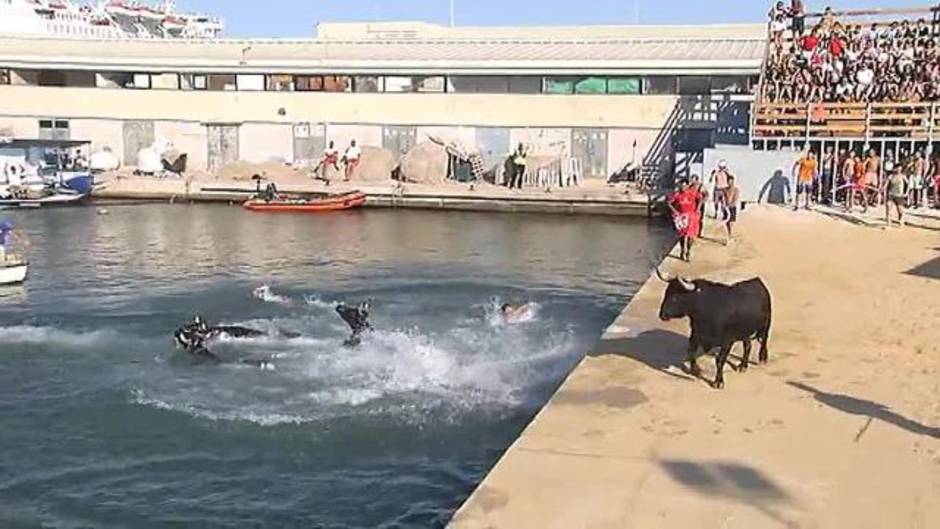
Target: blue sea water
{"points": [[104, 424]]}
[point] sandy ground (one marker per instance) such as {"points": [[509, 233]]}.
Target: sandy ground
{"points": [[840, 429]]}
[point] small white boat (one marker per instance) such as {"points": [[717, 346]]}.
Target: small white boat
{"points": [[13, 271], [58, 199]]}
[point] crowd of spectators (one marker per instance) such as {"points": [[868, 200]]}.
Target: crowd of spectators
{"points": [[862, 179], [836, 61]]}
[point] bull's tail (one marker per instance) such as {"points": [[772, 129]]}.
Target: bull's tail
{"points": [[764, 335]]}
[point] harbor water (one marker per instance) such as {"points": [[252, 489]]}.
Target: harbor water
{"points": [[106, 424]]}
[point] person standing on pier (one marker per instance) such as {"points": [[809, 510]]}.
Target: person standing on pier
{"points": [[684, 207], [719, 178], [351, 159], [829, 168], [519, 163], [846, 177], [697, 186], [859, 187], [806, 169], [733, 197], [935, 180], [896, 195], [873, 176], [917, 174], [329, 159]]}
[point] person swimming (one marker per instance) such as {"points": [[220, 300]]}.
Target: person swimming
{"points": [[358, 320], [515, 313]]}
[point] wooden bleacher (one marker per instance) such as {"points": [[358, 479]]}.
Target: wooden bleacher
{"points": [[862, 121]]}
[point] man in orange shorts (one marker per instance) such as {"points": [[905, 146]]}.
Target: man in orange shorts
{"points": [[806, 169]]}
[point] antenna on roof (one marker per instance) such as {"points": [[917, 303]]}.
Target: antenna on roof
{"points": [[451, 13]]}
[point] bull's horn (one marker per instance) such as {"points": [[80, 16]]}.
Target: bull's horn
{"points": [[686, 284]]}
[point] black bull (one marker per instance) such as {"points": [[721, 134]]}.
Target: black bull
{"points": [[720, 315]]}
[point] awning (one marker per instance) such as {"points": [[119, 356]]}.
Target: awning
{"points": [[21, 143]]}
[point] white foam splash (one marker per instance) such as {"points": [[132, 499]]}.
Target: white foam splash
{"points": [[411, 376], [259, 418], [264, 293], [25, 334], [315, 301], [345, 396]]}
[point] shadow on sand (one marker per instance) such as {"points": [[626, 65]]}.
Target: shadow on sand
{"points": [[867, 408], [731, 481], [930, 269], [659, 349]]}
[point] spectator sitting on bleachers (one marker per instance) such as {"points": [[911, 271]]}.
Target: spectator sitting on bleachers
{"points": [[836, 62]]}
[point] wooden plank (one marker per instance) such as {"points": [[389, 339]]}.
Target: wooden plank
{"points": [[896, 128], [780, 127]]}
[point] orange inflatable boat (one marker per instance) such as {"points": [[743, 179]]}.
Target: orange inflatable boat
{"points": [[307, 204]]}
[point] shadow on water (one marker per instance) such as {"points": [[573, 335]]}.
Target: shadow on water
{"points": [[659, 349], [732, 481], [930, 269], [867, 408]]}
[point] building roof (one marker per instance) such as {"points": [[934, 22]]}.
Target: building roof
{"points": [[604, 49]]}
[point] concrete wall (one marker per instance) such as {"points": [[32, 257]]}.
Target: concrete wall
{"points": [[262, 143], [508, 110], [543, 141], [363, 134], [20, 127], [767, 173], [465, 135], [189, 138], [266, 119], [101, 132]]}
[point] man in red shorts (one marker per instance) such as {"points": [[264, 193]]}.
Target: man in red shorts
{"points": [[684, 204], [351, 159]]}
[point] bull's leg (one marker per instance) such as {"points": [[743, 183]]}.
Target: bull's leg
{"points": [[746, 357], [694, 369], [720, 364], [763, 337]]}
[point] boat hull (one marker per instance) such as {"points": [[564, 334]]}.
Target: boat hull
{"points": [[62, 199], [13, 274], [333, 203]]}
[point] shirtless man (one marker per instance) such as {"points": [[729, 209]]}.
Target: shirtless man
{"points": [[720, 178], [872, 171], [515, 313]]}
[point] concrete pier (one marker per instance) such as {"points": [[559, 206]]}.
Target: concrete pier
{"points": [[593, 199], [840, 429]]}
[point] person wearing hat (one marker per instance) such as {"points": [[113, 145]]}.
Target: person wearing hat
{"points": [[719, 179]]}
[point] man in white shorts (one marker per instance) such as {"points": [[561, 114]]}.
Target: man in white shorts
{"points": [[719, 178]]}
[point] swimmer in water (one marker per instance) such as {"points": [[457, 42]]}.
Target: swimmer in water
{"points": [[515, 313], [358, 320]]}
